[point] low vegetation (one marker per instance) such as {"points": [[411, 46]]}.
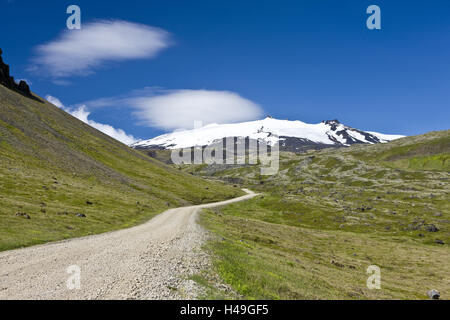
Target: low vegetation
{"points": [[328, 215]]}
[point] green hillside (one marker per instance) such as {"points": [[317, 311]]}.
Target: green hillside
{"points": [[54, 169], [327, 215], [430, 151]]}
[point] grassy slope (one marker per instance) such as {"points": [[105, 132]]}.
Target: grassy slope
{"points": [[330, 214], [51, 165]]}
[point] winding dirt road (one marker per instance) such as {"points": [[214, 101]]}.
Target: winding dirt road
{"points": [[149, 261]]}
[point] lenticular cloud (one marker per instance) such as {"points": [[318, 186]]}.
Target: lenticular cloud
{"points": [[79, 52], [181, 109]]}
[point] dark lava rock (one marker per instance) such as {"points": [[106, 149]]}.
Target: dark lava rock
{"points": [[24, 88], [337, 264], [432, 228], [416, 224], [80, 215], [364, 208], [439, 241], [89, 202], [22, 214], [8, 81]]}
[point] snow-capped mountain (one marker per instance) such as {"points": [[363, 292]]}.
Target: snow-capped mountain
{"points": [[292, 135]]}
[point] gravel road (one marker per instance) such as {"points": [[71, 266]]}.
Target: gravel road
{"points": [[149, 261]]}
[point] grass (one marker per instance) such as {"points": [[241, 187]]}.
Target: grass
{"points": [[262, 260], [327, 215], [212, 288], [52, 166], [430, 151]]}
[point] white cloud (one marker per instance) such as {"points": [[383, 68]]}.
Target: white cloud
{"points": [[178, 109], [82, 114], [55, 101], [78, 52]]}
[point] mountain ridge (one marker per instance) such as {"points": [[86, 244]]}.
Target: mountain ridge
{"points": [[293, 135]]}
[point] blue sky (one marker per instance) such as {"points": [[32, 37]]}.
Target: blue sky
{"points": [[306, 60]]}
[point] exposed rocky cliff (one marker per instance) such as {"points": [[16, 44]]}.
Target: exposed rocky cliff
{"points": [[8, 81]]}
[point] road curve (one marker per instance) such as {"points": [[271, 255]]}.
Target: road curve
{"points": [[143, 262]]}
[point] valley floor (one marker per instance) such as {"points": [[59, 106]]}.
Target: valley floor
{"points": [[271, 260]]}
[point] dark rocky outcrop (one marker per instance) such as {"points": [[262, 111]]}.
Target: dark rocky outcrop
{"points": [[8, 81], [349, 140], [432, 228], [22, 214]]}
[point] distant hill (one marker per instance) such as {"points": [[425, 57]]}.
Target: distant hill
{"points": [[61, 178], [429, 151]]}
